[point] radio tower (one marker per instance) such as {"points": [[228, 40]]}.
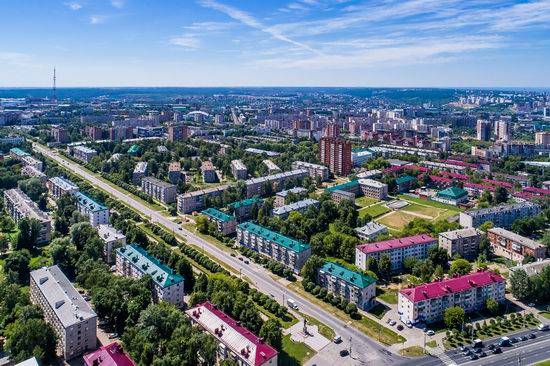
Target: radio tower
{"points": [[54, 87]]}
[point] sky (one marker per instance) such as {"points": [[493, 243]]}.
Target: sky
{"points": [[380, 43]]}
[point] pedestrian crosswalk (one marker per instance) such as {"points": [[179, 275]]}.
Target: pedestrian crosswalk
{"points": [[439, 353]]}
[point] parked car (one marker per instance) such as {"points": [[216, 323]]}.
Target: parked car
{"points": [[388, 321], [532, 336], [337, 339], [524, 338], [492, 346], [393, 322], [399, 327], [246, 262], [430, 333], [482, 354], [233, 255], [344, 353], [497, 350], [473, 357], [113, 335], [241, 258]]}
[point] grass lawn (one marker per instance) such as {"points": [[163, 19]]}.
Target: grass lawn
{"points": [[294, 353], [545, 314], [543, 363], [378, 310], [388, 295], [191, 227], [396, 220], [432, 344], [365, 201], [413, 351], [325, 330], [429, 203], [423, 210], [374, 211]]}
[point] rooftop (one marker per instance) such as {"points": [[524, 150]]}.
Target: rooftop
{"points": [[295, 190], [309, 165], [109, 355], [68, 305], [508, 207], [157, 182], [271, 165], [26, 205], [141, 167], [160, 273], [217, 215], [530, 243], [404, 179], [200, 192], [355, 278], [460, 233], [277, 176], [295, 206], [238, 164], [532, 268], [246, 202], [89, 202], [134, 149], [232, 334], [85, 149], [63, 183], [343, 186], [260, 151], [371, 228], [108, 233], [452, 193], [451, 286], [371, 183], [19, 152], [395, 243], [290, 244]]}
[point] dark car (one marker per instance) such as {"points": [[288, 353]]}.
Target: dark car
{"points": [[492, 346], [478, 350], [532, 336], [462, 348], [524, 338], [497, 350], [399, 327], [482, 354], [344, 353], [473, 357], [514, 340]]}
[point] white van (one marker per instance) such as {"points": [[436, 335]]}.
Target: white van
{"points": [[543, 326], [292, 304]]}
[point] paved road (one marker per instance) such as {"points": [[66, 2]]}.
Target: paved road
{"points": [[365, 348]]}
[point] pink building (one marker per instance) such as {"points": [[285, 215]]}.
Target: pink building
{"points": [[109, 355], [236, 342]]}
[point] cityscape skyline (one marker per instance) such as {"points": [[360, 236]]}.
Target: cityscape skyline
{"points": [[277, 43]]}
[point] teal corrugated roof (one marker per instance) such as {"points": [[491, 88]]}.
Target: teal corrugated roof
{"points": [[133, 149], [17, 151], [291, 244], [343, 186], [452, 192], [246, 202], [405, 179], [217, 214], [89, 202], [341, 272], [160, 273]]}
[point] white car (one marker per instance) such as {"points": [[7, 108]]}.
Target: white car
{"points": [[393, 322], [430, 333]]}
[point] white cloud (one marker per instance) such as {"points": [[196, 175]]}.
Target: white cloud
{"points": [[73, 5], [98, 19], [210, 26], [119, 4], [187, 41], [252, 22], [14, 58]]}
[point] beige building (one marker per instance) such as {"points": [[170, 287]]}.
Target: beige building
{"points": [[513, 246], [373, 189], [19, 205], [112, 240], [464, 242], [158, 189], [73, 320]]}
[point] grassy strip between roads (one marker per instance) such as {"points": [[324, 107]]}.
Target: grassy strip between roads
{"points": [[192, 227], [413, 351], [365, 324], [543, 363], [294, 353], [324, 330]]}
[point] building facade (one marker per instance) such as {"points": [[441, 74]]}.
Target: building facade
{"points": [[314, 170], [355, 287], [277, 182], [452, 196], [97, 213], [178, 133], [396, 249], [371, 230], [287, 251], [19, 205], [238, 169], [134, 261], [139, 172], [224, 222], [196, 200], [58, 186], [112, 240], [299, 206], [513, 246], [427, 303], [373, 189], [84, 154], [464, 242], [336, 154], [73, 320], [501, 216], [208, 172], [158, 189]]}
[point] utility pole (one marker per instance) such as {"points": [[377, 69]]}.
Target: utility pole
{"points": [[350, 346]]}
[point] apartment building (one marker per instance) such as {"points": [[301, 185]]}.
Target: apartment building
{"points": [[178, 133], [277, 182], [336, 154], [174, 172], [272, 168], [464, 242], [158, 189], [110, 355], [30, 171], [299, 206], [196, 200], [243, 209], [134, 261], [97, 213], [94, 132], [355, 287], [73, 320], [112, 240], [19, 205], [60, 134], [314, 170], [371, 230], [235, 341], [17, 153], [404, 183], [501, 216], [291, 253], [139, 172], [58, 186], [514, 246], [427, 303], [83, 153], [281, 197], [238, 169], [32, 162], [373, 189], [396, 249], [224, 222], [208, 172]]}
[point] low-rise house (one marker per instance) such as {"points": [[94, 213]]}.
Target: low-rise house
{"points": [[32, 172], [291, 253], [235, 341], [514, 246], [371, 230], [355, 287], [134, 261], [464, 242], [404, 183], [427, 303], [224, 222], [396, 249], [72, 319], [452, 196]]}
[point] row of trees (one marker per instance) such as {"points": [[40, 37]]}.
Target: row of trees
{"points": [[535, 287]]}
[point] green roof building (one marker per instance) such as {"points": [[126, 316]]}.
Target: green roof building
{"points": [[352, 186], [134, 261], [226, 223], [355, 287], [246, 202], [290, 252], [134, 150], [452, 196], [404, 183]]}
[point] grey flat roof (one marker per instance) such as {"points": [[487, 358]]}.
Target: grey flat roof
{"points": [[460, 233], [157, 182], [489, 210], [68, 305], [516, 238]]}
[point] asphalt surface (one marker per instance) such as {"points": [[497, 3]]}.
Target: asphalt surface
{"points": [[365, 349]]}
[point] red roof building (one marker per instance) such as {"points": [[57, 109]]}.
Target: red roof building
{"points": [[236, 341], [396, 249], [109, 355], [427, 303]]}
